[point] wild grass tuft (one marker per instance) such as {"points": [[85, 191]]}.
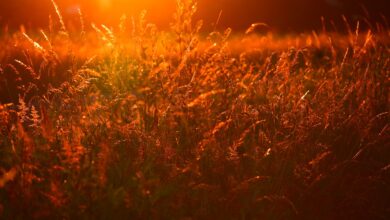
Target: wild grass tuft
{"points": [[141, 123]]}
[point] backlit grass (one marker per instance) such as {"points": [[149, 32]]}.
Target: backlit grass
{"points": [[133, 122]]}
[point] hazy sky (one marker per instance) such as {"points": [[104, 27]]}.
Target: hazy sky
{"points": [[239, 14]]}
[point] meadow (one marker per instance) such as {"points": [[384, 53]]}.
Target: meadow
{"points": [[133, 122]]}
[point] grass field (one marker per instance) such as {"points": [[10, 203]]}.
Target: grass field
{"points": [[132, 122]]}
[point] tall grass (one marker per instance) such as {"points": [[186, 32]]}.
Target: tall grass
{"points": [[131, 122]]}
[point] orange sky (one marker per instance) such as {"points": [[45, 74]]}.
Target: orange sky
{"points": [[239, 14]]}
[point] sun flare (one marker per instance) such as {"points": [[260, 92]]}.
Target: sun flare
{"points": [[105, 4], [109, 11]]}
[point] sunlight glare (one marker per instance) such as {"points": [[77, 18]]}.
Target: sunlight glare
{"points": [[105, 4], [109, 11]]}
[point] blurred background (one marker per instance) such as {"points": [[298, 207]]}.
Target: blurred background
{"points": [[283, 15]]}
